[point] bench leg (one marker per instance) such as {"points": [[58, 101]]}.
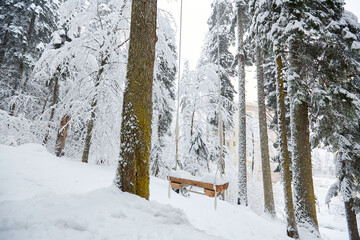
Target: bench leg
{"points": [[169, 191], [215, 200]]}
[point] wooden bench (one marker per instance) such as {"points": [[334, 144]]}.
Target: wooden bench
{"points": [[209, 188]]}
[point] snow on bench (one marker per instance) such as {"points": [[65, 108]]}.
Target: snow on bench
{"points": [[181, 179]]}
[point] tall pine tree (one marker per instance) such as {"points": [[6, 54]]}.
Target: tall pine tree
{"points": [[133, 170]]}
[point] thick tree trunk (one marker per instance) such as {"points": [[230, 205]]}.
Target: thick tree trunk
{"points": [[302, 168], [351, 220], [291, 228], [304, 196], [61, 136], [242, 179], [269, 206], [133, 172]]}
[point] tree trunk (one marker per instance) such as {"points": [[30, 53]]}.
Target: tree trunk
{"points": [[302, 168], [133, 172], [85, 156], [253, 151], [269, 206], [61, 136], [90, 126], [15, 89], [304, 195], [192, 124], [291, 227], [351, 220], [45, 103], [242, 179], [52, 111], [159, 140]]}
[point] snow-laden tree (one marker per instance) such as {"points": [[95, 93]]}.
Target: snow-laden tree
{"points": [[258, 41], [264, 17], [303, 30], [25, 28], [92, 70], [241, 17], [163, 93], [335, 119], [294, 28], [221, 33], [196, 89]]}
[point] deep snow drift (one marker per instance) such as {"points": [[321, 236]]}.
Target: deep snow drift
{"points": [[45, 197]]}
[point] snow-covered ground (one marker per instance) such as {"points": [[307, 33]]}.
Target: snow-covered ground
{"points": [[45, 197]]}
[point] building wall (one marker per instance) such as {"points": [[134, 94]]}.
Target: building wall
{"points": [[252, 136]]}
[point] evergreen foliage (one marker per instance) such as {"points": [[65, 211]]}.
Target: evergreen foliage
{"points": [[64, 69], [223, 28], [25, 28], [197, 88], [163, 93]]}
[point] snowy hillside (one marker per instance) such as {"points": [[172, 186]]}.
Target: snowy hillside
{"points": [[45, 197]]}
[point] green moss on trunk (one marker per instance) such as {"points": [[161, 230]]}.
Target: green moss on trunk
{"points": [[133, 171], [291, 228]]}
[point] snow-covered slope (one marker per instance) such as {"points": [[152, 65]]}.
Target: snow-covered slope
{"points": [[45, 197]]}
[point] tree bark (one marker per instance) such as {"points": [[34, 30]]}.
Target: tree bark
{"points": [[192, 124], [269, 206], [304, 195], [291, 227], [85, 156], [133, 171], [302, 168], [351, 220], [61, 136], [52, 111], [90, 126], [242, 179]]}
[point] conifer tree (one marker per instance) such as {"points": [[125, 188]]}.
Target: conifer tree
{"points": [[302, 20], [269, 205], [306, 54], [133, 171], [260, 31], [242, 178], [25, 28], [336, 100], [224, 29], [284, 155]]}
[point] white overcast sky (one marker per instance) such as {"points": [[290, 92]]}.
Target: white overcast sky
{"points": [[194, 28]]}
